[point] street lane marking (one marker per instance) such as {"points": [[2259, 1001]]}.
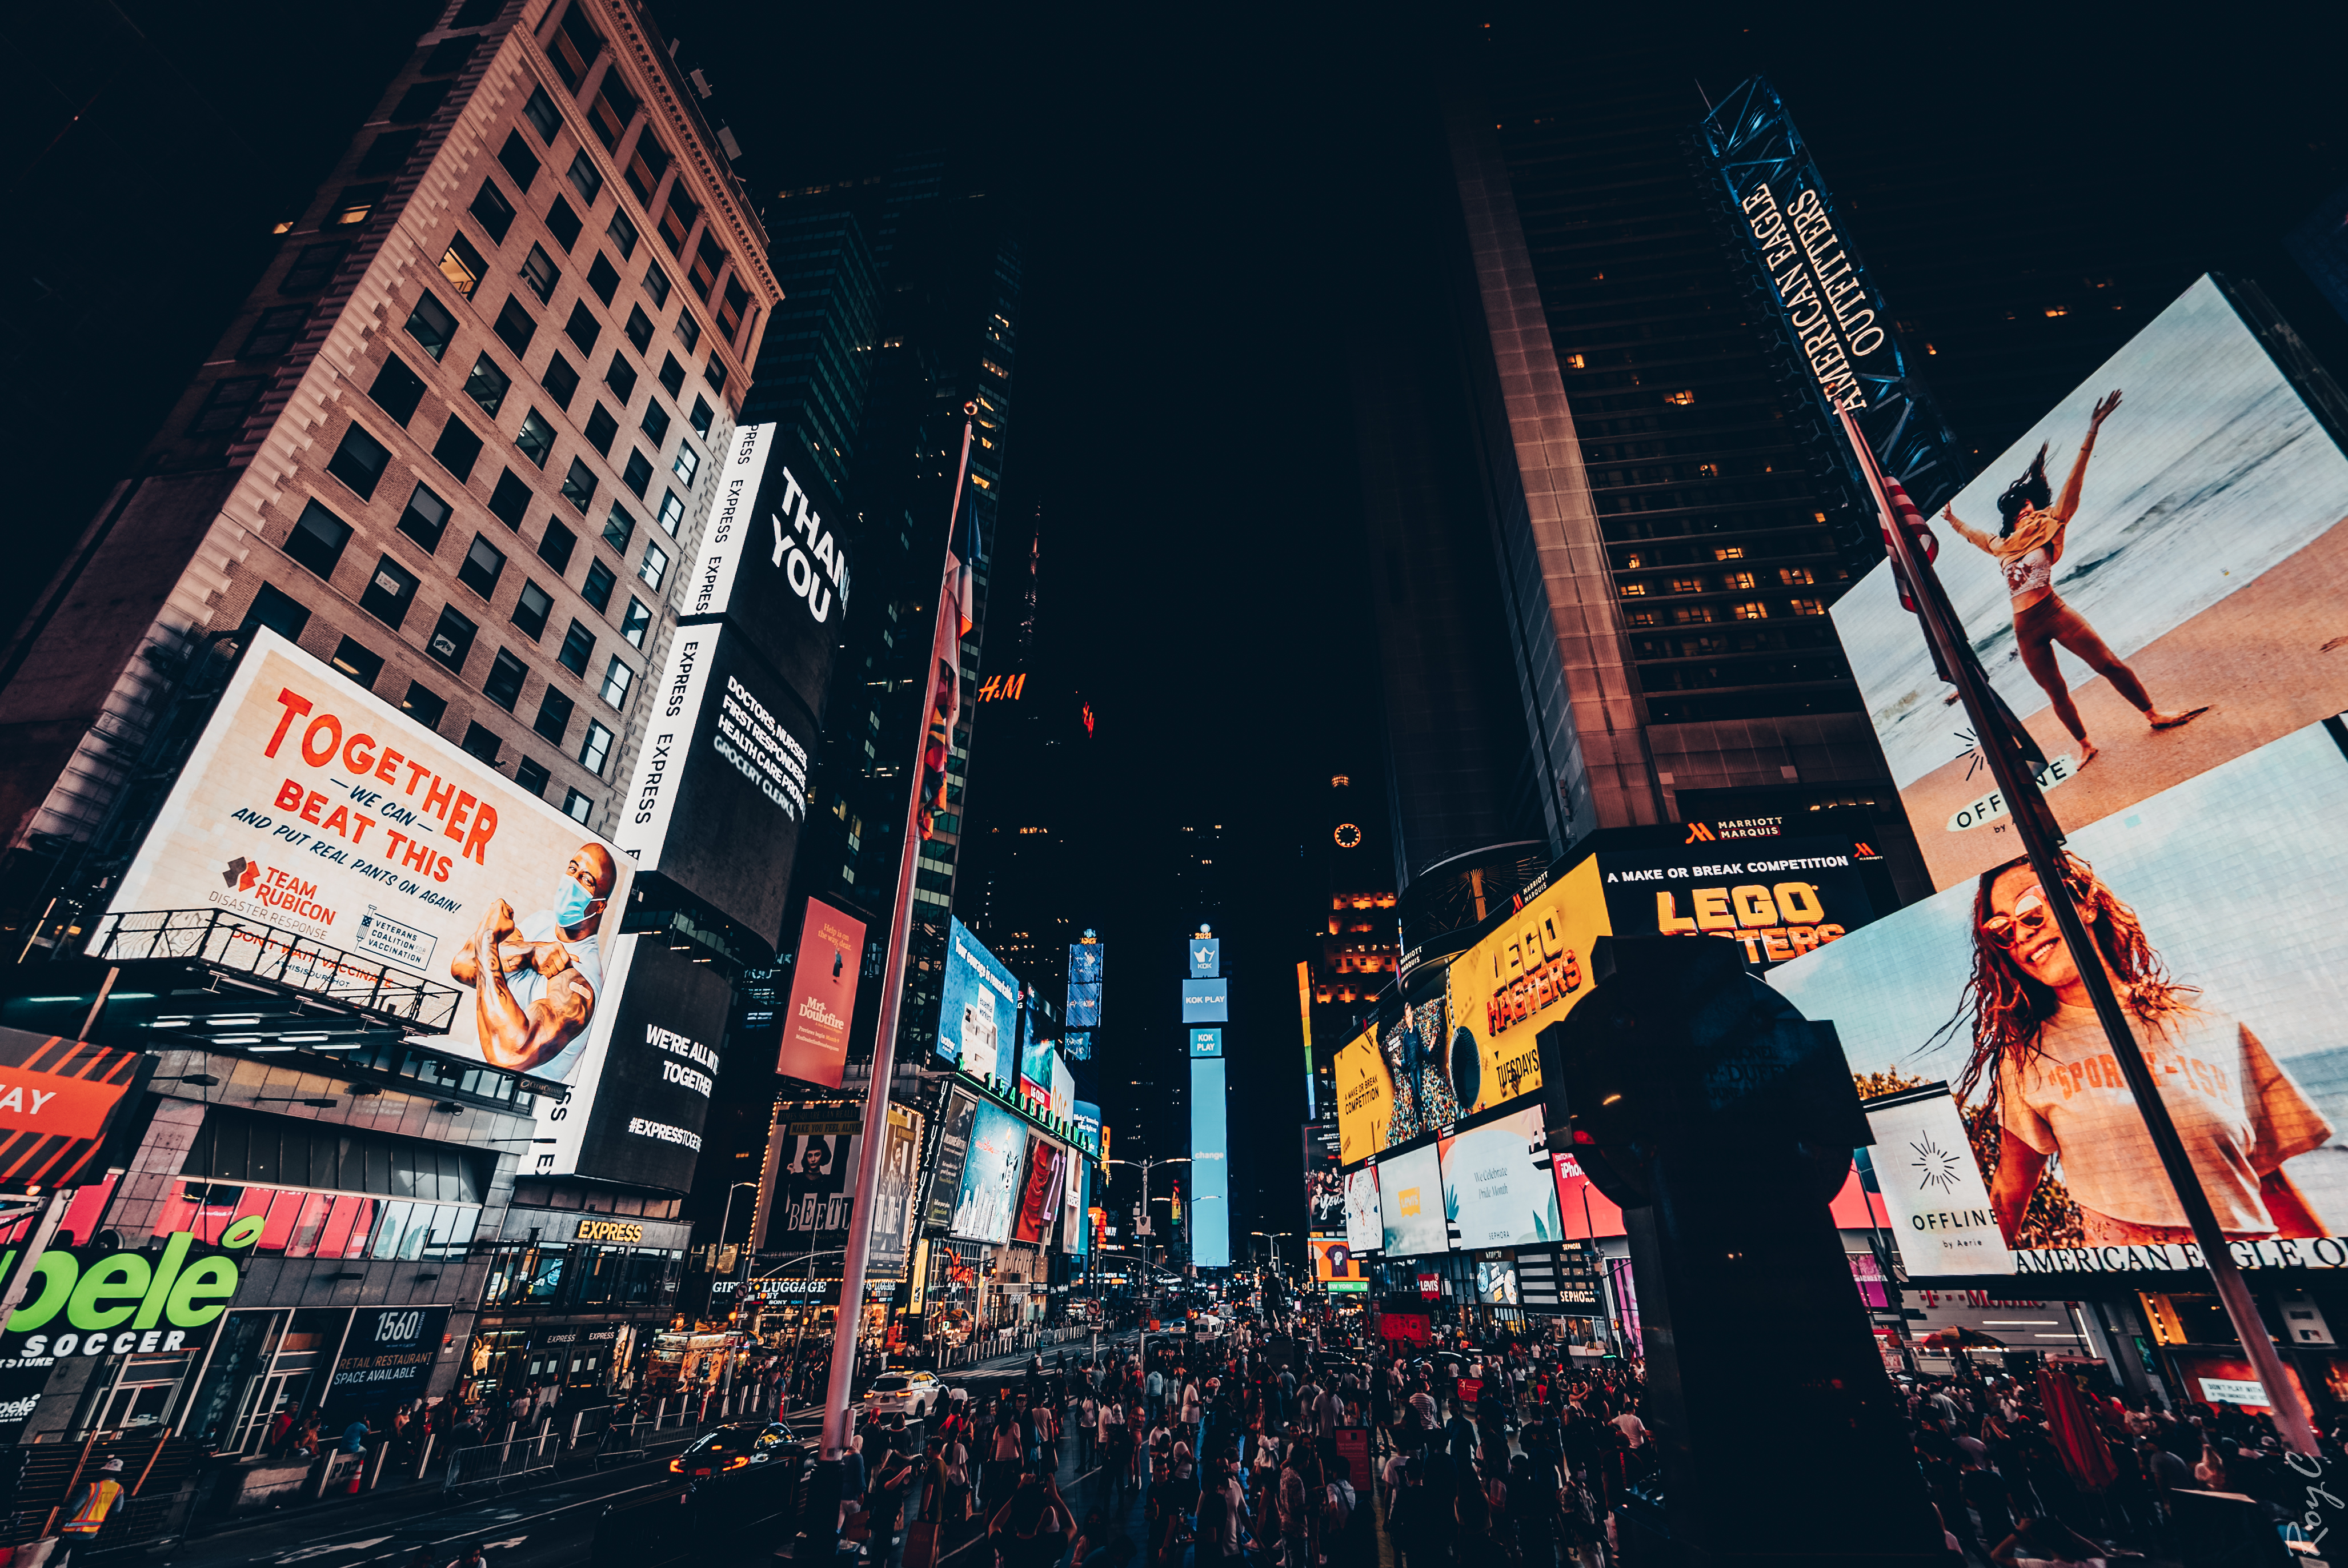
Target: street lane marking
{"points": [[307, 1553]]}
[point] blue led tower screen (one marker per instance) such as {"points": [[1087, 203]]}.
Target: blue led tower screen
{"points": [[1211, 1166], [1206, 1001], [1084, 977], [1206, 957]]}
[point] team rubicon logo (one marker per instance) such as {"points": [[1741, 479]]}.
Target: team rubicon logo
{"points": [[276, 888]]}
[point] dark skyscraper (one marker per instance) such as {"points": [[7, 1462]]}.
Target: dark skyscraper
{"points": [[816, 360]]}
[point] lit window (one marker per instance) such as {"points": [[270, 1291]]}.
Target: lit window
{"points": [[1731, 552], [462, 265], [1741, 582], [1576, 362], [1808, 607], [1634, 589], [1796, 576], [1751, 609], [2056, 310], [1687, 584], [1707, 471], [1682, 399]]}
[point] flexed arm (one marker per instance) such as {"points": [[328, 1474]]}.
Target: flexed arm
{"points": [[1973, 536], [514, 1036]]}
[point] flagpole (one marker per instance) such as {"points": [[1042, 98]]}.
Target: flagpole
{"points": [[2042, 841], [849, 1317]]}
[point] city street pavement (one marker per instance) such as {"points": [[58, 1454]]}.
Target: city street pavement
{"points": [[544, 1526]]}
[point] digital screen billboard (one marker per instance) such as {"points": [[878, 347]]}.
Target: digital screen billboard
{"points": [[978, 1008], [771, 564], [1334, 1259], [1582, 1210], [1410, 1201], [953, 1155], [1365, 1232], [1524, 975], [892, 1242], [991, 1172], [720, 786], [1036, 1059], [1211, 1165], [1064, 1088], [64, 1099], [1776, 898], [1496, 1282], [1325, 1187], [1207, 1042], [812, 1184], [2170, 609], [2218, 905], [649, 1068], [1042, 1192], [1365, 1097], [1497, 1187], [823, 996], [1206, 957], [1206, 1001], [310, 805], [1086, 962]]}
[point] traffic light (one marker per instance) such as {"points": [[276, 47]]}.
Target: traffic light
{"points": [[1723, 1122]]}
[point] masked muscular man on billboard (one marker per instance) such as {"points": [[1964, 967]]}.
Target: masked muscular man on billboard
{"points": [[534, 980]]}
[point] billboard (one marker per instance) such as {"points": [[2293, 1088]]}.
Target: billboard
{"points": [[1207, 1042], [62, 1100], [1497, 1187], [1211, 1165], [1364, 1230], [1063, 1089], [2219, 904], [1042, 1192], [1582, 1210], [770, 564], [815, 1151], [310, 805], [1410, 1200], [720, 785], [1206, 957], [652, 1063], [386, 1360], [1036, 1059], [1776, 898], [1525, 974], [1496, 1282], [978, 1005], [890, 1247], [955, 1129], [2172, 575], [1334, 1259], [1365, 1097], [1206, 1001], [1085, 963], [1324, 1189], [989, 1191], [823, 996]]}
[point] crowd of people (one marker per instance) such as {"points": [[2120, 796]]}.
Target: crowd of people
{"points": [[1293, 1447]]}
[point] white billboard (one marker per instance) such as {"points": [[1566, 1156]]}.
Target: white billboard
{"points": [[1939, 1205]]}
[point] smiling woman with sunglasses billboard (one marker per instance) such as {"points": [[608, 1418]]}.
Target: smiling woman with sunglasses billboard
{"points": [[2052, 1089]]}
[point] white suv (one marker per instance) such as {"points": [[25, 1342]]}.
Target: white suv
{"points": [[913, 1395]]}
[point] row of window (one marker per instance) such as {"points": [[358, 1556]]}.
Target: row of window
{"points": [[1703, 614], [1727, 582]]}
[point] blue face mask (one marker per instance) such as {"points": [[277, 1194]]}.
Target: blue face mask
{"points": [[571, 904]]}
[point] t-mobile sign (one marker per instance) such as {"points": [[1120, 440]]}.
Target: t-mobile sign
{"points": [[823, 996]]}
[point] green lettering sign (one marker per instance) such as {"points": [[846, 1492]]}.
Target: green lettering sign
{"points": [[122, 1278], [201, 1293], [53, 1281]]}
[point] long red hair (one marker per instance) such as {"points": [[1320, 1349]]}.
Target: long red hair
{"points": [[2003, 1006]]}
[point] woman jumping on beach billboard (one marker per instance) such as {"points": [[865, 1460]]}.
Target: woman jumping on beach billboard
{"points": [[2053, 1089], [2027, 547]]}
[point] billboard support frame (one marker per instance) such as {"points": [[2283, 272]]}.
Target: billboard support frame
{"points": [[2003, 744]]}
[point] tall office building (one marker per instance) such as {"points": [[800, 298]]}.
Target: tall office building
{"points": [[457, 443], [816, 357], [1600, 570]]}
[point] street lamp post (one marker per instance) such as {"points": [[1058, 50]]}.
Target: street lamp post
{"points": [[1149, 1278], [740, 1261]]}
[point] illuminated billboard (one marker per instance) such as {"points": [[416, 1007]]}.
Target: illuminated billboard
{"points": [[2218, 905], [1496, 1282], [954, 1128], [1063, 1089], [1211, 1166], [1087, 960], [1206, 957], [1364, 1230], [1206, 1042], [1497, 1187], [1584, 1211], [1206, 1001], [771, 563], [1410, 1200], [313, 806], [823, 996], [1521, 977], [978, 1008], [1365, 1097], [892, 1243], [2162, 585], [1334, 1259], [991, 1166], [1776, 898], [1035, 1059], [648, 1070], [1042, 1192], [811, 1185], [720, 786]]}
